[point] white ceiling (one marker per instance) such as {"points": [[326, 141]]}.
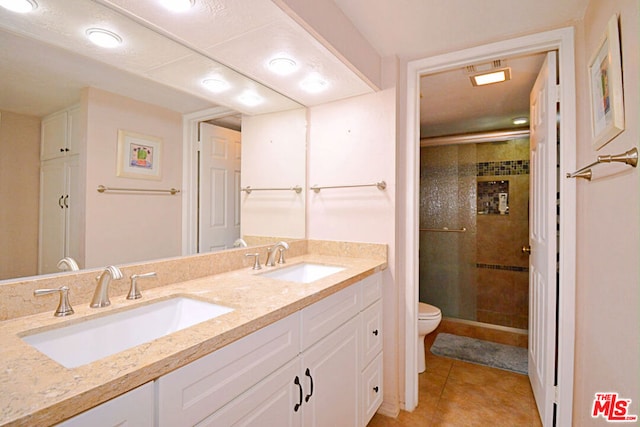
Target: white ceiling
{"points": [[167, 55], [415, 29]]}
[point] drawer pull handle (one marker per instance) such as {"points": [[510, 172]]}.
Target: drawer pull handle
{"points": [[375, 332], [299, 404], [308, 396], [376, 389]]}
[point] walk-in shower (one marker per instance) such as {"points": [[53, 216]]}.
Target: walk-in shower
{"points": [[474, 201]]}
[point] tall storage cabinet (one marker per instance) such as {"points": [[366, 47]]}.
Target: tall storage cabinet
{"points": [[60, 220]]}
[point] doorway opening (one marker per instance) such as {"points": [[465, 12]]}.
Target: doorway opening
{"points": [[562, 42]]}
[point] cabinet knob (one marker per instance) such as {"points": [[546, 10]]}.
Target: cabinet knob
{"points": [[62, 150], [375, 332], [376, 389]]}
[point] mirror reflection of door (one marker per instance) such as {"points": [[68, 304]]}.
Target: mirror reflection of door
{"points": [[219, 188]]}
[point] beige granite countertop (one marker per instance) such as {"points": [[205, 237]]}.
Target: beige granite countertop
{"points": [[35, 390]]}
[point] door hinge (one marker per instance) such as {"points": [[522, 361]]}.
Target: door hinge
{"points": [[558, 93], [556, 394]]}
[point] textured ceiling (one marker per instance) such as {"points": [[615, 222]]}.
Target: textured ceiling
{"points": [[416, 29], [164, 56]]}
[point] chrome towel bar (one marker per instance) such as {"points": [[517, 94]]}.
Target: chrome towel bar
{"points": [[248, 189], [102, 189], [381, 186], [445, 230], [629, 157]]}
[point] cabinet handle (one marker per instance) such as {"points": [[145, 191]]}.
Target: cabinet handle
{"points": [[375, 332], [66, 149], [60, 202], [65, 201], [299, 404], [376, 389], [308, 396], [62, 150]]}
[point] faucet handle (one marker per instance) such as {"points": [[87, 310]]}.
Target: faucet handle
{"points": [[256, 262], [64, 308], [281, 257], [134, 290]]}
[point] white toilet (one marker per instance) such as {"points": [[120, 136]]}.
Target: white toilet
{"points": [[429, 318]]}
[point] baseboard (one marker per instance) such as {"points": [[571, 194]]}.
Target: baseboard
{"points": [[389, 409]]}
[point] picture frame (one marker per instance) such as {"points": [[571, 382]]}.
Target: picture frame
{"points": [[139, 156], [606, 89]]}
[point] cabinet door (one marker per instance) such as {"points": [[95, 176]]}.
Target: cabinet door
{"points": [[275, 401], [331, 379], [74, 131], [54, 136], [194, 392], [52, 215], [74, 209], [134, 408]]}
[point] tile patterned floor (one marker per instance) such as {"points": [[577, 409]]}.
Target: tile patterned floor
{"points": [[460, 394]]}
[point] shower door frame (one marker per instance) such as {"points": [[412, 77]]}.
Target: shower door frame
{"points": [[561, 40]]}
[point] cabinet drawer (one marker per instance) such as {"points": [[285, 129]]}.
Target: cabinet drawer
{"points": [[371, 289], [371, 332], [193, 392], [319, 319], [371, 390], [134, 408]]}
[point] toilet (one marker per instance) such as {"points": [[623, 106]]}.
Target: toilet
{"points": [[429, 318]]}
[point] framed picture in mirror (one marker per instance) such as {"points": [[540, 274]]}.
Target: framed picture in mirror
{"points": [[139, 156]]}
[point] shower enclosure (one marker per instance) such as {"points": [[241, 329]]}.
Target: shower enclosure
{"points": [[473, 225]]}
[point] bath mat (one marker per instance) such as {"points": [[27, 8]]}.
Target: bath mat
{"points": [[507, 357]]}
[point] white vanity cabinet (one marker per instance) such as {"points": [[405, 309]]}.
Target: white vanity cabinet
{"points": [[134, 408], [304, 370]]}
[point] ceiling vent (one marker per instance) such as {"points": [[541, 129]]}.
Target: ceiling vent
{"points": [[485, 67]]}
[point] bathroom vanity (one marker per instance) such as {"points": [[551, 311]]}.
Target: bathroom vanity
{"points": [[289, 353]]}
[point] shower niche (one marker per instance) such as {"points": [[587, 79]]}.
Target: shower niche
{"points": [[493, 197]]}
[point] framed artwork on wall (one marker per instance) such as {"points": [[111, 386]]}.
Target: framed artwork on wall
{"points": [[605, 84], [139, 156]]}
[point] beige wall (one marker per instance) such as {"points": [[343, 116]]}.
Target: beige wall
{"points": [[274, 148], [19, 193], [352, 142], [124, 228], [607, 355]]}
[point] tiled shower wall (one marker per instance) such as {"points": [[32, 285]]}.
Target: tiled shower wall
{"points": [[481, 274]]}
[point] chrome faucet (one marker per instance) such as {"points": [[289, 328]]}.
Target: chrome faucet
{"points": [[68, 264], [273, 250], [101, 294], [239, 243]]}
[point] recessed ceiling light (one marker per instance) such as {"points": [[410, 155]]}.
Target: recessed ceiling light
{"points": [[314, 83], [496, 76], [19, 6], [283, 65], [250, 99], [216, 85], [178, 5], [520, 121], [103, 38]]}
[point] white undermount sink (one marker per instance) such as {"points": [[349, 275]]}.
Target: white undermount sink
{"points": [[304, 272], [81, 343]]}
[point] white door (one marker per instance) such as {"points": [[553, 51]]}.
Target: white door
{"points": [[219, 192], [543, 238]]}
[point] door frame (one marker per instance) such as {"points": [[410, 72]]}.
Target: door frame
{"points": [[561, 40], [189, 191]]}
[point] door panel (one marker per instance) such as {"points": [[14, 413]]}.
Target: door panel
{"points": [[219, 215], [543, 239]]}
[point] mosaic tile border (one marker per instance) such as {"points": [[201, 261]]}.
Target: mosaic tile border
{"points": [[506, 167], [502, 267]]}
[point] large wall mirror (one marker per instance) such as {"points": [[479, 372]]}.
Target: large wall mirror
{"points": [[112, 101]]}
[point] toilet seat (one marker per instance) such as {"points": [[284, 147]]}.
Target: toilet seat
{"points": [[428, 311]]}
